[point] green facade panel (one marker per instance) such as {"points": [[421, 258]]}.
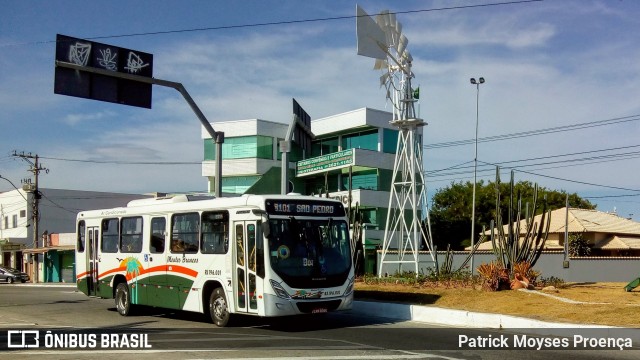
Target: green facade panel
{"points": [[241, 147]]}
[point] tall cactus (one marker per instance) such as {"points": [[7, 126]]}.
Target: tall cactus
{"points": [[507, 246]]}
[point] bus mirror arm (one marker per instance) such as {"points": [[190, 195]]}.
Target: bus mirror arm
{"points": [[266, 230]]}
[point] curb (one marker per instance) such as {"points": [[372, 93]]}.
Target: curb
{"points": [[46, 285], [468, 319]]}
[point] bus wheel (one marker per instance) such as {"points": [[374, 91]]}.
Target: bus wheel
{"points": [[218, 308], [123, 299]]}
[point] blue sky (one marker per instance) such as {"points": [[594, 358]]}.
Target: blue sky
{"points": [[547, 64]]}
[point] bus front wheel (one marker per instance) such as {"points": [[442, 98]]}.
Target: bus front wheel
{"points": [[218, 308], [123, 299]]}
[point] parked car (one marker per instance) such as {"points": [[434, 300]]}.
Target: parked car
{"points": [[12, 275]]}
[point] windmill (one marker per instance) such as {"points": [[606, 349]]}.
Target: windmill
{"points": [[382, 39]]}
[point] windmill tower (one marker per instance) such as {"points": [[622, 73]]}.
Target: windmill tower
{"points": [[382, 39]]}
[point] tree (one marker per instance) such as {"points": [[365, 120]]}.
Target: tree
{"points": [[578, 246], [450, 211]]}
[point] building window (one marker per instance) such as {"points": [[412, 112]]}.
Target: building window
{"points": [[367, 180], [241, 147], [23, 213], [14, 221], [370, 217], [390, 141], [325, 146], [362, 140]]}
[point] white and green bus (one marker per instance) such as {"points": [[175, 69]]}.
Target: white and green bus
{"points": [[264, 255]]}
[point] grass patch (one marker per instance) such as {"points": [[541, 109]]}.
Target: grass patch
{"points": [[601, 303]]}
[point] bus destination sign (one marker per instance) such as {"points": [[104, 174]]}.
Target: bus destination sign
{"points": [[304, 208]]}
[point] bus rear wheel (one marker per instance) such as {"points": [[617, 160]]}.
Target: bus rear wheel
{"points": [[218, 308], [123, 299]]}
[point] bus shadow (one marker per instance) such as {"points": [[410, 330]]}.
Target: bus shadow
{"points": [[290, 324]]}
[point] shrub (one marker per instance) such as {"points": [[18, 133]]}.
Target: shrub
{"points": [[495, 276]]}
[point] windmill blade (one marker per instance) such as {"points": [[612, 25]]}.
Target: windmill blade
{"points": [[402, 44], [372, 40], [398, 27], [380, 64], [383, 19]]}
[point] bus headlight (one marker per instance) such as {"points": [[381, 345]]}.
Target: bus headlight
{"points": [[349, 289], [279, 290]]}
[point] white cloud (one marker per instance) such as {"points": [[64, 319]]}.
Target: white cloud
{"points": [[75, 119]]}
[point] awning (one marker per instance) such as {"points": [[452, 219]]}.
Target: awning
{"points": [[43, 250]]}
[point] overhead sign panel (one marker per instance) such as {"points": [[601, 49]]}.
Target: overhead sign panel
{"points": [[320, 164], [302, 134], [87, 53]]}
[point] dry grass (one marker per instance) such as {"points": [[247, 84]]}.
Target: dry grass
{"points": [[600, 303]]}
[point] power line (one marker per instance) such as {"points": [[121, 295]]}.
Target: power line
{"points": [[122, 162], [551, 130], [577, 181], [274, 23], [564, 163]]}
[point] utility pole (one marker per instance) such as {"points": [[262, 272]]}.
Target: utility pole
{"points": [[35, 168]]}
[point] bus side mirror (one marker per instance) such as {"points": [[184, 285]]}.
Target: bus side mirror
{"points": [[266, 230]]}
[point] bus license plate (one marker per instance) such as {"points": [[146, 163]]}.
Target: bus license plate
{"points": [[319, 311]]}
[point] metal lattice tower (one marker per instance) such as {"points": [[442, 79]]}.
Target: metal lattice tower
{"points": [[382, 39]]}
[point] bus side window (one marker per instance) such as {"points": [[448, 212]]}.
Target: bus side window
{"points": [[81, 235], [184, 232], [214, 232], [109, 243], [158, 228], [131, 235]]}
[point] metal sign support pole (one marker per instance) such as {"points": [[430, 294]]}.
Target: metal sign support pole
{"points": [[218, 137]]}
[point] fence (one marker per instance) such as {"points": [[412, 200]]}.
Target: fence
{"points": [[577, 269]]}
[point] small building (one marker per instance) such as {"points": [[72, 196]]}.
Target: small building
{"points": [[50, 249], [607, 234]]}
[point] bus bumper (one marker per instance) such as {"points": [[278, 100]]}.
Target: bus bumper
{"points": [[276, 306]]}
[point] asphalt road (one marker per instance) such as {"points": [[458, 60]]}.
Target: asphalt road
{"points": [[159, 334]]}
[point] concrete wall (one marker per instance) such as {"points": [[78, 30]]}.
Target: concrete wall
{"points": [[583, 269]]}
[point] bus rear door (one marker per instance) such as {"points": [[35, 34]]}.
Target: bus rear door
{"points": [[244, 291]]}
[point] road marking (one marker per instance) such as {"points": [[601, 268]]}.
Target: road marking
{"points": [[94, 352], [353, 357]]}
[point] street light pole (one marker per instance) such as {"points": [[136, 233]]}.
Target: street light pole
{"points": [[475, 171]]}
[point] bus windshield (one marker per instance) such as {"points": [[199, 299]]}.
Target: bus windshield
{"points": [[308, 252]]}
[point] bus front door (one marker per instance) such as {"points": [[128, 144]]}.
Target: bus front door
{"points": [[245, 263], [92, 261]]}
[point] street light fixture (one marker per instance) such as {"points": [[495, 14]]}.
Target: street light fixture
{"points": [[475, 170]]}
